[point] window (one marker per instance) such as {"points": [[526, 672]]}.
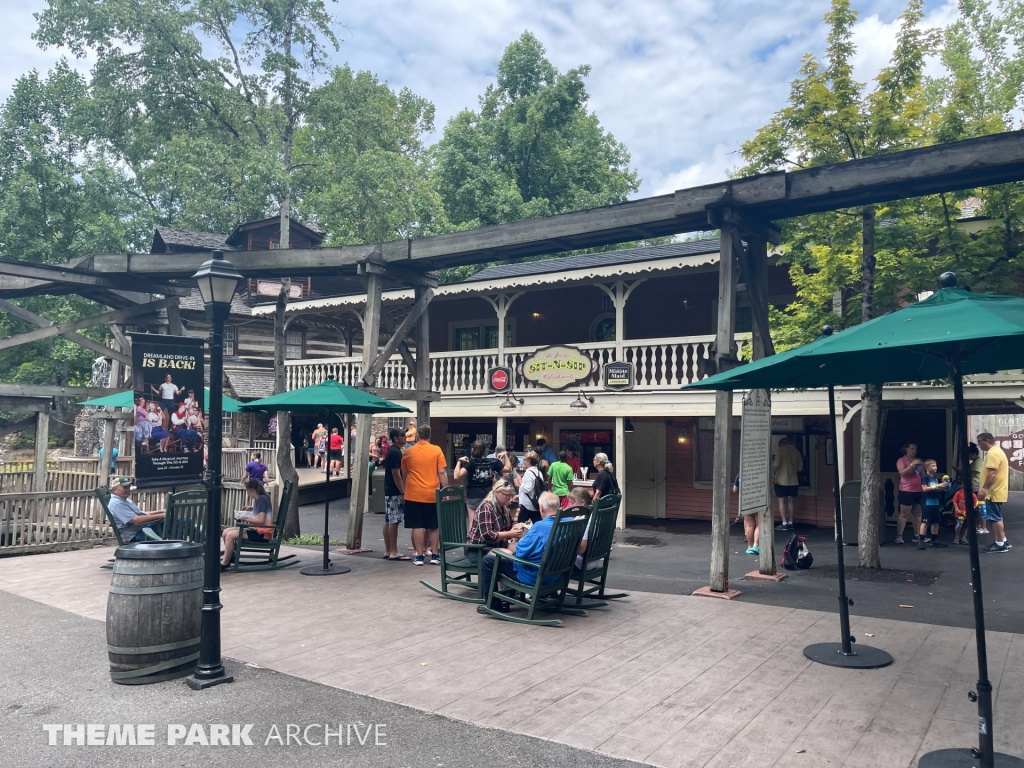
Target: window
{"points": [[480, 334], [704, 466], [744, 320], [229, 341], [603, 327], [293, 346], [396, 422], [228, 424]]}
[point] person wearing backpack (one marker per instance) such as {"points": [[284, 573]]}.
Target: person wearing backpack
{"points": [[530, 489]]}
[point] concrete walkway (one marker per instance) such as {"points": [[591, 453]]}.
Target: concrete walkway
{"points": [[666, 679]]}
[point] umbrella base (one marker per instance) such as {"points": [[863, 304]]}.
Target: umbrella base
{"points": [[961, 758], [864, 656], [318, 570]]}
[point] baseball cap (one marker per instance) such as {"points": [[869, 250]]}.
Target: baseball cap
{"points": [[123, 480]]}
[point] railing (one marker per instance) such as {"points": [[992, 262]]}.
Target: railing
{"points": [[36, 522], [91, 464], [233, 461], [660, 364]]}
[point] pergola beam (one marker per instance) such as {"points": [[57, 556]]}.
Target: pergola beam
{"points": [[54, 390], [983, 161], [113, 316], [78, 338], [66, 275], [370, 375]]}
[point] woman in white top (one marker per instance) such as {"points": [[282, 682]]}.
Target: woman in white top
{"points": [[530, 489]]}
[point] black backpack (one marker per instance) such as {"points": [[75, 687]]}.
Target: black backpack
{"points": [[796, 555]]}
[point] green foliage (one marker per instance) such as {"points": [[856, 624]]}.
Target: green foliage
{"points": [[830, 118], [361, 158], [533, 149]]}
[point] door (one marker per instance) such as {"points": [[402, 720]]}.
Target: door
{"points": [[645, 470]]}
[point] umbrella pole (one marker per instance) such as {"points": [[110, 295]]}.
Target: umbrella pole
{"points": [[327, 568], [985, 754], [842, 654]]}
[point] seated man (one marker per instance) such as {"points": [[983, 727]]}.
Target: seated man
{"points": [[130, 519], [530, 547]]}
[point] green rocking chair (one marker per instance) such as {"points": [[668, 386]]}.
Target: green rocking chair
{"points": [[590, 581], [549, 591], [452, 522], [265, 555]]}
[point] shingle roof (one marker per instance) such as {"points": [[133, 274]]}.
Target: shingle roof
{"points": [[594, 260], [192, 239], [194, 302], [251, 383]]}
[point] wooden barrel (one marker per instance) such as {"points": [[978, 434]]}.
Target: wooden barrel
{"points": [[154, 611]]}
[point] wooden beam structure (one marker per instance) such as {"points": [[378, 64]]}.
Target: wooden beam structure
{"points": [[984, 161], [424, 295], [60, 329], [85, 341], [67, 275], [54, 390], [403, 347]]}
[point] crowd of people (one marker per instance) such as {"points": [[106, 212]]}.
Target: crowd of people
{"points": [[924, 493], [175, 423]]}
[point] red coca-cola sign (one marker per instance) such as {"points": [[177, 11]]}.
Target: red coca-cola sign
{"points": [[499, 379]]}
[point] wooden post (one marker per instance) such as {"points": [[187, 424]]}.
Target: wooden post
{"points": [[722, 475], [364, 421], [755, 275], [620, 468], [423, 361], [499, 434], [346, 428], [108, 429], [42, 443]]}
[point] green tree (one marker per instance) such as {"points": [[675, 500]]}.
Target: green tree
{"points": [[830, 118], [58, 200], [533, 148], [197, 101], [361, 159]]}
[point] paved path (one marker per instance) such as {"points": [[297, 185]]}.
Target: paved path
{"points": [[669, 680]]}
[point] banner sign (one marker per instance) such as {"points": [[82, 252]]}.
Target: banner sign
{"points": [[167, 374], [499, 379], [755, 452], [557, 367], [1013, 447], [618, 375]]}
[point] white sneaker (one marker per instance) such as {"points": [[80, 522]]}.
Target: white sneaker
{"points": [[899, 540]]}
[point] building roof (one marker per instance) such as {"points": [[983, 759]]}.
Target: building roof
{"points": [[194, 302], [312, 231], [596, 260], [188, 238], [250, 383]]}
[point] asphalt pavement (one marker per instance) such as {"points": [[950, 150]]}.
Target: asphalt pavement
{"points": [[55, 674], [674, 557]]}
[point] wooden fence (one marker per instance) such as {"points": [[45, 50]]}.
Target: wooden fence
{"points": [[71, 516], [91, 464], [233, 462]]}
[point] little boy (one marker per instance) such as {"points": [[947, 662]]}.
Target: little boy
{"points": [[931, 504], [960, 535]]}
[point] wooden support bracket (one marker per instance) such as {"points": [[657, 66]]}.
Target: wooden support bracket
{"points": [[370, 375], [745, 222], [78, 338]]}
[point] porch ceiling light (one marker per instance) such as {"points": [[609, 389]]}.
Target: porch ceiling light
{"points": [[580, 403], [629, 426], [508, 405]]}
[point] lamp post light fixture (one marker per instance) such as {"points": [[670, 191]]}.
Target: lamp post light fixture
{"points": [[508, 405], [217, 280], [681, 438], [580, 403]]}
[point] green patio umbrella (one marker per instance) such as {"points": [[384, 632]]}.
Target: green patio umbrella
{"points": [[127, 400], [330, 397], [950, 334]]}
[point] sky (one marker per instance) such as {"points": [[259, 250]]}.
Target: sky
{"points": [[681, 82]]}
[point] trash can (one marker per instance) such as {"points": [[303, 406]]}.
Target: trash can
{"points": [[154, 611], [376, 506], [849, 498]]}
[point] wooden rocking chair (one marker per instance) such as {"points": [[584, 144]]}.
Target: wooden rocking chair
{"points": [[451, 522]]}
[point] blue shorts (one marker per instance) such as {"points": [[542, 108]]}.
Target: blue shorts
{"points": [[931, 514], [994, 511]]}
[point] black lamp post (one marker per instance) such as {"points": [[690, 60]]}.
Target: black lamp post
{"points": [[217, 280]]}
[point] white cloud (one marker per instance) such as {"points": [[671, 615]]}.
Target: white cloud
{"points": [[681, 82]]}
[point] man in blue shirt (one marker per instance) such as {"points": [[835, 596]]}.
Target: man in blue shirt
{"points": [[545, 451], [130, 519], [530, 547]]}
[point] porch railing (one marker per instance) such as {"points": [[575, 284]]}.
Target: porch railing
{"points": [[659, 364]]}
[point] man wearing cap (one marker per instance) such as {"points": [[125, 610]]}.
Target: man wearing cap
{"points": [[130, 519]]}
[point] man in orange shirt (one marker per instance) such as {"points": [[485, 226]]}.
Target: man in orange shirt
{"points": [[424, 470]]}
